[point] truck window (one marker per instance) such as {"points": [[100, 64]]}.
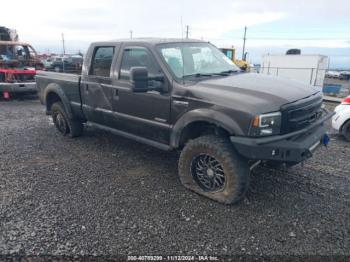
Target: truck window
{"points": [[137, 57], [102, 61], [173, 57]]}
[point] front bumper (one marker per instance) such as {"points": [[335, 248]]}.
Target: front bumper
{"points": [[293, 147], [25, 87]]}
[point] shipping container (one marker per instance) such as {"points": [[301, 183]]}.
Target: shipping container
{"points": [[310, 69]]}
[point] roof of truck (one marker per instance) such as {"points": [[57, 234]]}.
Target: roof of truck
{"points": [[151, 40]]}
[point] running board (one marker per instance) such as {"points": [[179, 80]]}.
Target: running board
{"points": [[131, 136]]}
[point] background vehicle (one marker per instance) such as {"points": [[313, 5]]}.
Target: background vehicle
{"points": [[18, 65], [67, 64], [187, 95], [344, 75], [332, 74], [7, 34], [231, 54], [341, 120]]}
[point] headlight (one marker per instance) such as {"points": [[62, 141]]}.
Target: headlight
{"points": [[266, 124]]}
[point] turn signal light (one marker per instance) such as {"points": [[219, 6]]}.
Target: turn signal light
{"points": [[256, 121]]}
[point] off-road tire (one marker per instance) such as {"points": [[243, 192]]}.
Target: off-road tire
{"points": [[64, 124], [345, 130], [235, 167]]}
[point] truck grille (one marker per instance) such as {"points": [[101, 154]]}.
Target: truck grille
{"points": [[300, 114]]}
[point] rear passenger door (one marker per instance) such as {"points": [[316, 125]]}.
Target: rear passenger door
{"points": [[96, 88]]}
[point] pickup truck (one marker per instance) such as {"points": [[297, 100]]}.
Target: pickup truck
{"points": [[186, 95]]}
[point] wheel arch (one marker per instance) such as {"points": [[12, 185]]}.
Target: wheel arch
{"points": [[54, 93], [202, 118], [343, 124]]}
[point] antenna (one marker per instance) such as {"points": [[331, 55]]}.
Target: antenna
{"points": [[187, 29], [130, 34]]}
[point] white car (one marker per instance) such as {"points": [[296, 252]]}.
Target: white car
{"points": [[341, 119], [332, 74]]}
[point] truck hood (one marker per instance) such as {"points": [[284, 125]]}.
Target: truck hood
{"points": [[252, 92]]}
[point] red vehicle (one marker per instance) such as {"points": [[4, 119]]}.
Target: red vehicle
{"points": [[18, 65]]}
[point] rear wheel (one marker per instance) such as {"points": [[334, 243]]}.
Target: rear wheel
{"points": [[63, 123], [210, 166], [345, 130]]}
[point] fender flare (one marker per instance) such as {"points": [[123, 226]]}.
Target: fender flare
{"points": [[204, 115], [57, 89]]}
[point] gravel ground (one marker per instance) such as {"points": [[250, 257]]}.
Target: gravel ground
{"points": [[100, 194]]}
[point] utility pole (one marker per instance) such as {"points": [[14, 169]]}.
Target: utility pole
{"points": [[64, 48], [187, 29], [64, 52], [130, 34], [244, 39]]}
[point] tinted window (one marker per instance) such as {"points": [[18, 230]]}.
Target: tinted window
{"points": [[190, 59], [173, 57], [102, 61], [137, 57]]}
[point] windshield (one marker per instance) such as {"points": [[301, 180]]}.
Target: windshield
{"points": [[196, 59]]}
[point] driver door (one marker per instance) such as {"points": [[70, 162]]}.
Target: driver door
{"points": [[143, 114]]}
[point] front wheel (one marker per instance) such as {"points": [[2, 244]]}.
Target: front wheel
{"points": [[210, 166]]}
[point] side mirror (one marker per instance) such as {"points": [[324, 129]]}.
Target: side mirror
{"points": [[139, 79]]}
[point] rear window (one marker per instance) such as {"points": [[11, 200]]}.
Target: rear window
{"points": [[102, 61]]}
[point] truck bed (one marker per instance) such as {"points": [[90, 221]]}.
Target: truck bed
{"points": [[67, 83]]}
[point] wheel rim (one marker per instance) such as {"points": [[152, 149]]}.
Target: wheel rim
{"points": [[60, 123], [208, 173]]}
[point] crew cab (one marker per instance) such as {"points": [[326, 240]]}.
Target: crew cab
{"points": [[186, 95]]}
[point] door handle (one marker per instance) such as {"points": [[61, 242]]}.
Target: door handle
{"points": [[116, 92], [178, 102], [87, 87]]}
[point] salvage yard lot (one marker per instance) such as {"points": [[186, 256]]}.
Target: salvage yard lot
{"points": [[100, 194]]}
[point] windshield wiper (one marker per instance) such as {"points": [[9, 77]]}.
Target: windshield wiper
{"points": [[223, 73], [228, 71], [198, 75]]}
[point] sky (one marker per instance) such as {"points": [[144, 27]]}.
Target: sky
{"points": [[273, 26]]}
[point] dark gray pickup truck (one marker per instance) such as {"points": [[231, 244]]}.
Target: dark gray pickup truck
{"points": [[177, 94]]}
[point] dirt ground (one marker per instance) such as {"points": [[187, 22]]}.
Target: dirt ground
{"points": [[100, 194]]}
